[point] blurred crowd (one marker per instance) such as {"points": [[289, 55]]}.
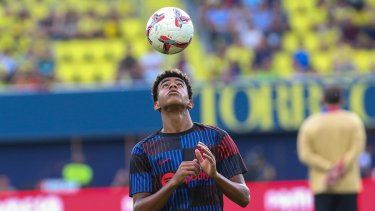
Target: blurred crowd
{"points": [[268, 36], [257, 38], [30, 28]]}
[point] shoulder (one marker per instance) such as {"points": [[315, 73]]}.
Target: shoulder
{"points": [[310, 122], [353, 117], [311, 119], [218, 131], [138, 148]]}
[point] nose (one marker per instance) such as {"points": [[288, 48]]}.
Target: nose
{"points": [[172, 85]]}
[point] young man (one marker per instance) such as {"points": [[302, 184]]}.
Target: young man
{"points": [[330, 143], [184, 165]]}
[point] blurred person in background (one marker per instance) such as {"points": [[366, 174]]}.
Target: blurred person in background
{"points": [[365, 161], [184, 165], [77, 170], [121, 178], [330, 144], [151, 64], [301, 60], [129, 68], [258, 166], [5, 184]]}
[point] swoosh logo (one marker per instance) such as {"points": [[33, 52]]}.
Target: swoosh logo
{"points": [[162, 162]]}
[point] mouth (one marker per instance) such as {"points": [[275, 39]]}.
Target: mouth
{"points": [[173, 92]]}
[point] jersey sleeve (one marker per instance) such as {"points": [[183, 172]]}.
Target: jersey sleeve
{"points": [[228, 158], [140, 172]]}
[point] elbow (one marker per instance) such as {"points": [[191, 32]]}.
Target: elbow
{"points": [[303, 158], [245, 202], [136, 207], [245, 199]]}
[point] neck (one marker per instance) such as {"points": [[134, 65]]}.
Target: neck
{"points": [[332, 107], [176, 120]]}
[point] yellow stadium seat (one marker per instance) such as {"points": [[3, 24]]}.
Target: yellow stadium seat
{"points": [[311, 42], [283, 63], [140, 46], [290, 42], [300, 22], [322, 62], [319, 15], [104, 72], [242, 55], [292, 5], [133, 28], [65, 73], [114, 50], [362, 60]]}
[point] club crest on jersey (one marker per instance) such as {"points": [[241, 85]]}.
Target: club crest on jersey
{"points": [[166, 177]]}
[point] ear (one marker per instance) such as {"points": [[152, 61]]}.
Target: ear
{"points": [[156, 106], [190, 104]]}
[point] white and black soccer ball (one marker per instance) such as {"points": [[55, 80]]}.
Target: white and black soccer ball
{"points": [[169, 30]]}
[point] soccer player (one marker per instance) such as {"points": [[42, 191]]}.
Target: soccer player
{"points": [[330, 143], [184, 165]]}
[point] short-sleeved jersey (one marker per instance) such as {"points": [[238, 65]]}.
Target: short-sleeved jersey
{"points": [[156, 158]]}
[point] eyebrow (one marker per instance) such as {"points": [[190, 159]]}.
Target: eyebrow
{"points": [[168, 79], [164, 80]]}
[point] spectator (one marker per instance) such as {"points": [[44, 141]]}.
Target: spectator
{"points": [[263, 16], [5, 184], [151, 64], [129, 68], [365, 161], [184, 65], [121, 178], [217, 20], [77, 170], [250, 36], [262, 54], [259, 168], [301, 60], [8, 63], [330, 143]]}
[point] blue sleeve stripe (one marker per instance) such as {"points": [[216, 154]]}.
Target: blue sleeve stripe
{"points": [[140, 182]]}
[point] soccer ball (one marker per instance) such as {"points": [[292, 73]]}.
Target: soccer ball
{"points": [[169, 30]]}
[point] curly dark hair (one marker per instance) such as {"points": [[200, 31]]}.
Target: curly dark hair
{"points": [[333, 94], [171, 73]]}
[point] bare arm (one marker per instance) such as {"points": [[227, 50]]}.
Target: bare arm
{"points": [[306, 154], [234, 188], [358, 142], [156, 201]]}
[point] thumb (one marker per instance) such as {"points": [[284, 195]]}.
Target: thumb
{"points": [[198, 155]]}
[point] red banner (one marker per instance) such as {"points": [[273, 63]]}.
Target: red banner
{"points": [[273, 196]]}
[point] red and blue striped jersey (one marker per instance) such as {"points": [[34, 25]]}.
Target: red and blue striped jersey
{"points": [[155, 159]]}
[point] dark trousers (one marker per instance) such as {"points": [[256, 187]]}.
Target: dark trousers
{"points": [[336, 202]]}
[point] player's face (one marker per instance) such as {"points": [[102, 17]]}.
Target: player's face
{"points": [[172, 92]]}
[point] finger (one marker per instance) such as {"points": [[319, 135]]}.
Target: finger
{"points": [[197, 166], [189, 173], [209, 158], [198, 155], [201, 143], [207, 151], [187, 163]]}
